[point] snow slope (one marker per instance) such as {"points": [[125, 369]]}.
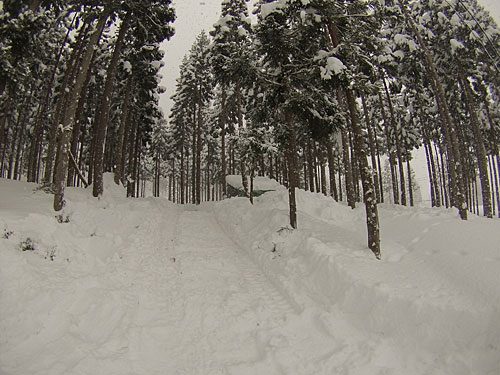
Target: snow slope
{"points": [[142, 286]]}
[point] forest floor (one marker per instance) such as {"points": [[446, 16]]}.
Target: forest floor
{"points": [[143, 286]]}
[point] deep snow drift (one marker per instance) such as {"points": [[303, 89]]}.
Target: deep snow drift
{"points": [[142, 286]]}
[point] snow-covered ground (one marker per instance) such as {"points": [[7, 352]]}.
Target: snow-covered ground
{"points": [[143, 286]]}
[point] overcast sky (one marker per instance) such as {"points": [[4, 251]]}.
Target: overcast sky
{"points": [[196, 15]]}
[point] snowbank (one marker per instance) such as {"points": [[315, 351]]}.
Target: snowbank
{"points": [[435, 295]]}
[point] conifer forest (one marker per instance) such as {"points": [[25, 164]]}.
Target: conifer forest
{"points": [[317, 94]]}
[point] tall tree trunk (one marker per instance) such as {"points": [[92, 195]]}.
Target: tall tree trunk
{"points": [[103, 119], [397, 141], [410, 182], [134, 129], [479, 146], [442, 176], [291, 158], [310, 163], [340, 178], [429, 173], [390, 152], [22, 134], [371, 142], [492, 187], [223, 117], [41, 117], [331, 170], [182, 186], [496, 170], [322, 169], [304, 166], [118, 170], [455, 168], [370, 200], [348, 177], [71, 71], [194, 154], [239, 112], [198, 151]]}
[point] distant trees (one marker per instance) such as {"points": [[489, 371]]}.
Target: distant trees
{"points": [[53, 63]]}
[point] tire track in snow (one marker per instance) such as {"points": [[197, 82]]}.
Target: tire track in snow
{"points": [[230, 308]]}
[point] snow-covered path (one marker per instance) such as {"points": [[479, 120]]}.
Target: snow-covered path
{"points": [[142, 287], [121, 286], [209, 309]]}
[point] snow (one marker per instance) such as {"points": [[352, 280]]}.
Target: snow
{"points": [[456, 44], [127, 66], [259, 182], [268, 8], [334, 66], [143, 286]]}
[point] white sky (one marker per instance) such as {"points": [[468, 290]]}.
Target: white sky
{"points": [[196, 15]]}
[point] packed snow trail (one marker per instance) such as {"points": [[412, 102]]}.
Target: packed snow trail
{"points": [[144, 287]]}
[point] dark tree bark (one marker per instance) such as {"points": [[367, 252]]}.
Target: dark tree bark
{"points": [[62, 101], [348, 177], [222, 120], [410, 182], [455, 169], [103, 119], [370, 200], [479, 146], [124, 121], [322, 169], [199, 126], [291, 158], [397, 142], [371, 142], [331, 170], [310, 163], [390, 152]]}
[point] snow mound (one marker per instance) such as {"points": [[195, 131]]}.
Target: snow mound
{"points": [[433, 301]]}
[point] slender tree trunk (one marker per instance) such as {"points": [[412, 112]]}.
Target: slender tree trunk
{"points": [[304, 166], [349, 183], [69, 116], [20, 142], [397, 142], [370, 200], [118, 158], [331, 170], [492, 187], [410, 182], [479, 146], [340, 178], [310, 164], [223, 117], [77, 127], [42, 112], [496, 170], [198, 151], [371, 142], [322, 169], [455, 168], [442, 176], [390, 152], [252, 176], [103, 119], [291, 156], [194, 154], [134, 129], [429, 172], [182, 176], [72, 66]]}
